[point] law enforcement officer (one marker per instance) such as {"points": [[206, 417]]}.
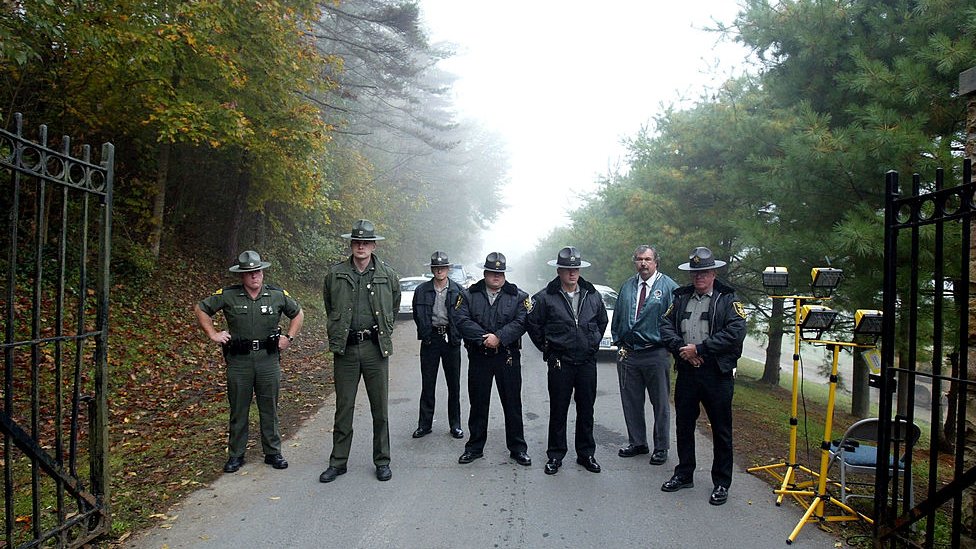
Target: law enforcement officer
{"points": [[566, 323], [491, 318], [362, 296], [251, 344], [704, 329], [440, 343], [643, 364]]}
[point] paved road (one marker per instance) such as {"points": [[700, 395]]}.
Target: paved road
{"points": [[434, 502]]}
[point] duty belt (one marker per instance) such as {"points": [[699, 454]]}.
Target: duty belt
{"points": [[247, 346], [358, 336], [440, 330]]}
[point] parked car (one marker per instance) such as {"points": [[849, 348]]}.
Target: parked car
{"points": [[610, 302], [459, 275], [407, 286]]}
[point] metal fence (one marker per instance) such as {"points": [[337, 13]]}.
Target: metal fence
{"points": [[56, 245], [926, 320]]}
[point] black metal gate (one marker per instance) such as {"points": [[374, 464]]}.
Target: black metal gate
{"points": [[926, 318], [56, 246]]}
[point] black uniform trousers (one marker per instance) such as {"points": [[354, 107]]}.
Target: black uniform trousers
{"points": [[506, 370], [438, 351], [571, 380], [709, 388]]}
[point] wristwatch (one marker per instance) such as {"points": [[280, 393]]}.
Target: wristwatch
{"points": [[290, 338]]}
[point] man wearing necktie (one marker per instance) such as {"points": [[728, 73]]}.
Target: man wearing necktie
{"points": [[643, 364]]}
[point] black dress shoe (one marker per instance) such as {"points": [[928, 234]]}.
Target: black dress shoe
{"points": [[630, 451], [589, 463], [233, 464], [719, 495], [553, 465], [276, 461], [331, 473], [456, 432], [421, 431], [522, 458], [676, 483], [383, 473], [659, 457], [468, 457]]}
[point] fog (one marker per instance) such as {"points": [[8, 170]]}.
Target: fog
{"points": [[564, 83]]}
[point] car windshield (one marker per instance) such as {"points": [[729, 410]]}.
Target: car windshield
{"points": [[457, 274], [409, 285], [609, 299]]}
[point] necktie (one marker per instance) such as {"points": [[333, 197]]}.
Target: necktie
{"points": [[643, 296]]}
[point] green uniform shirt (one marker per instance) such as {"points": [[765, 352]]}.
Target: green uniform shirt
{"points": [[362, 312], [251, 318]]}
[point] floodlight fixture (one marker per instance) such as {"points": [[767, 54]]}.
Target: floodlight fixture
{"points": [[825, 280], [775, 280], [867, 322], [816, 317]]}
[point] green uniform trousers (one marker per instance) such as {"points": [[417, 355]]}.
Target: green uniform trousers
{"points": [[256, 374], [366, 361]]}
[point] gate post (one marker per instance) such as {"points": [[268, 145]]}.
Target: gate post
{"points": [[967, 89]]}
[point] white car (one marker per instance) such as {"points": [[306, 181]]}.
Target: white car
{"points": [[407, 285], [610, 302]]}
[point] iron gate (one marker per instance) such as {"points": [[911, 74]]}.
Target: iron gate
{"points": [[56, 249], [928, 283]]}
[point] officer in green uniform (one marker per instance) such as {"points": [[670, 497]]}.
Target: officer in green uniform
{"points": [[362, 297], [251, 344]]}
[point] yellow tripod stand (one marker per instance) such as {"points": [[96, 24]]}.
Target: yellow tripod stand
{"points": [[788, 477], [816, 512]]}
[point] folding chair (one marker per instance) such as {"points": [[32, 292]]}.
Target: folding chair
{"points": [[857, 452]]}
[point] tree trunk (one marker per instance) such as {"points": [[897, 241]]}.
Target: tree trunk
{"points": [[231, 249], [159, 198], [860, 391], [774, 349]]}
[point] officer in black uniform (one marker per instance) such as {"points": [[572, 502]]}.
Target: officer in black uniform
{"points": [[491, 318], [252, 343], [704, 329], [440, 343], [567, 322]]}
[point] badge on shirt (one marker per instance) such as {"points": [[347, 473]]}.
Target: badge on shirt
{"points": [[657, 293], [266, 309]]}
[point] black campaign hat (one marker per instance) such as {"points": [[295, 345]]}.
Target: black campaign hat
{"points": [[248, 261], [439, 259], [701, 259], [568, 257], [363, 230], [495, 262]]}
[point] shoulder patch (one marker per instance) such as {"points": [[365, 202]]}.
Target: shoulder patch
{"points": [[739, 309], [218, 291], [457, 304], [668, 312], [528, 304], [284, 291]]}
